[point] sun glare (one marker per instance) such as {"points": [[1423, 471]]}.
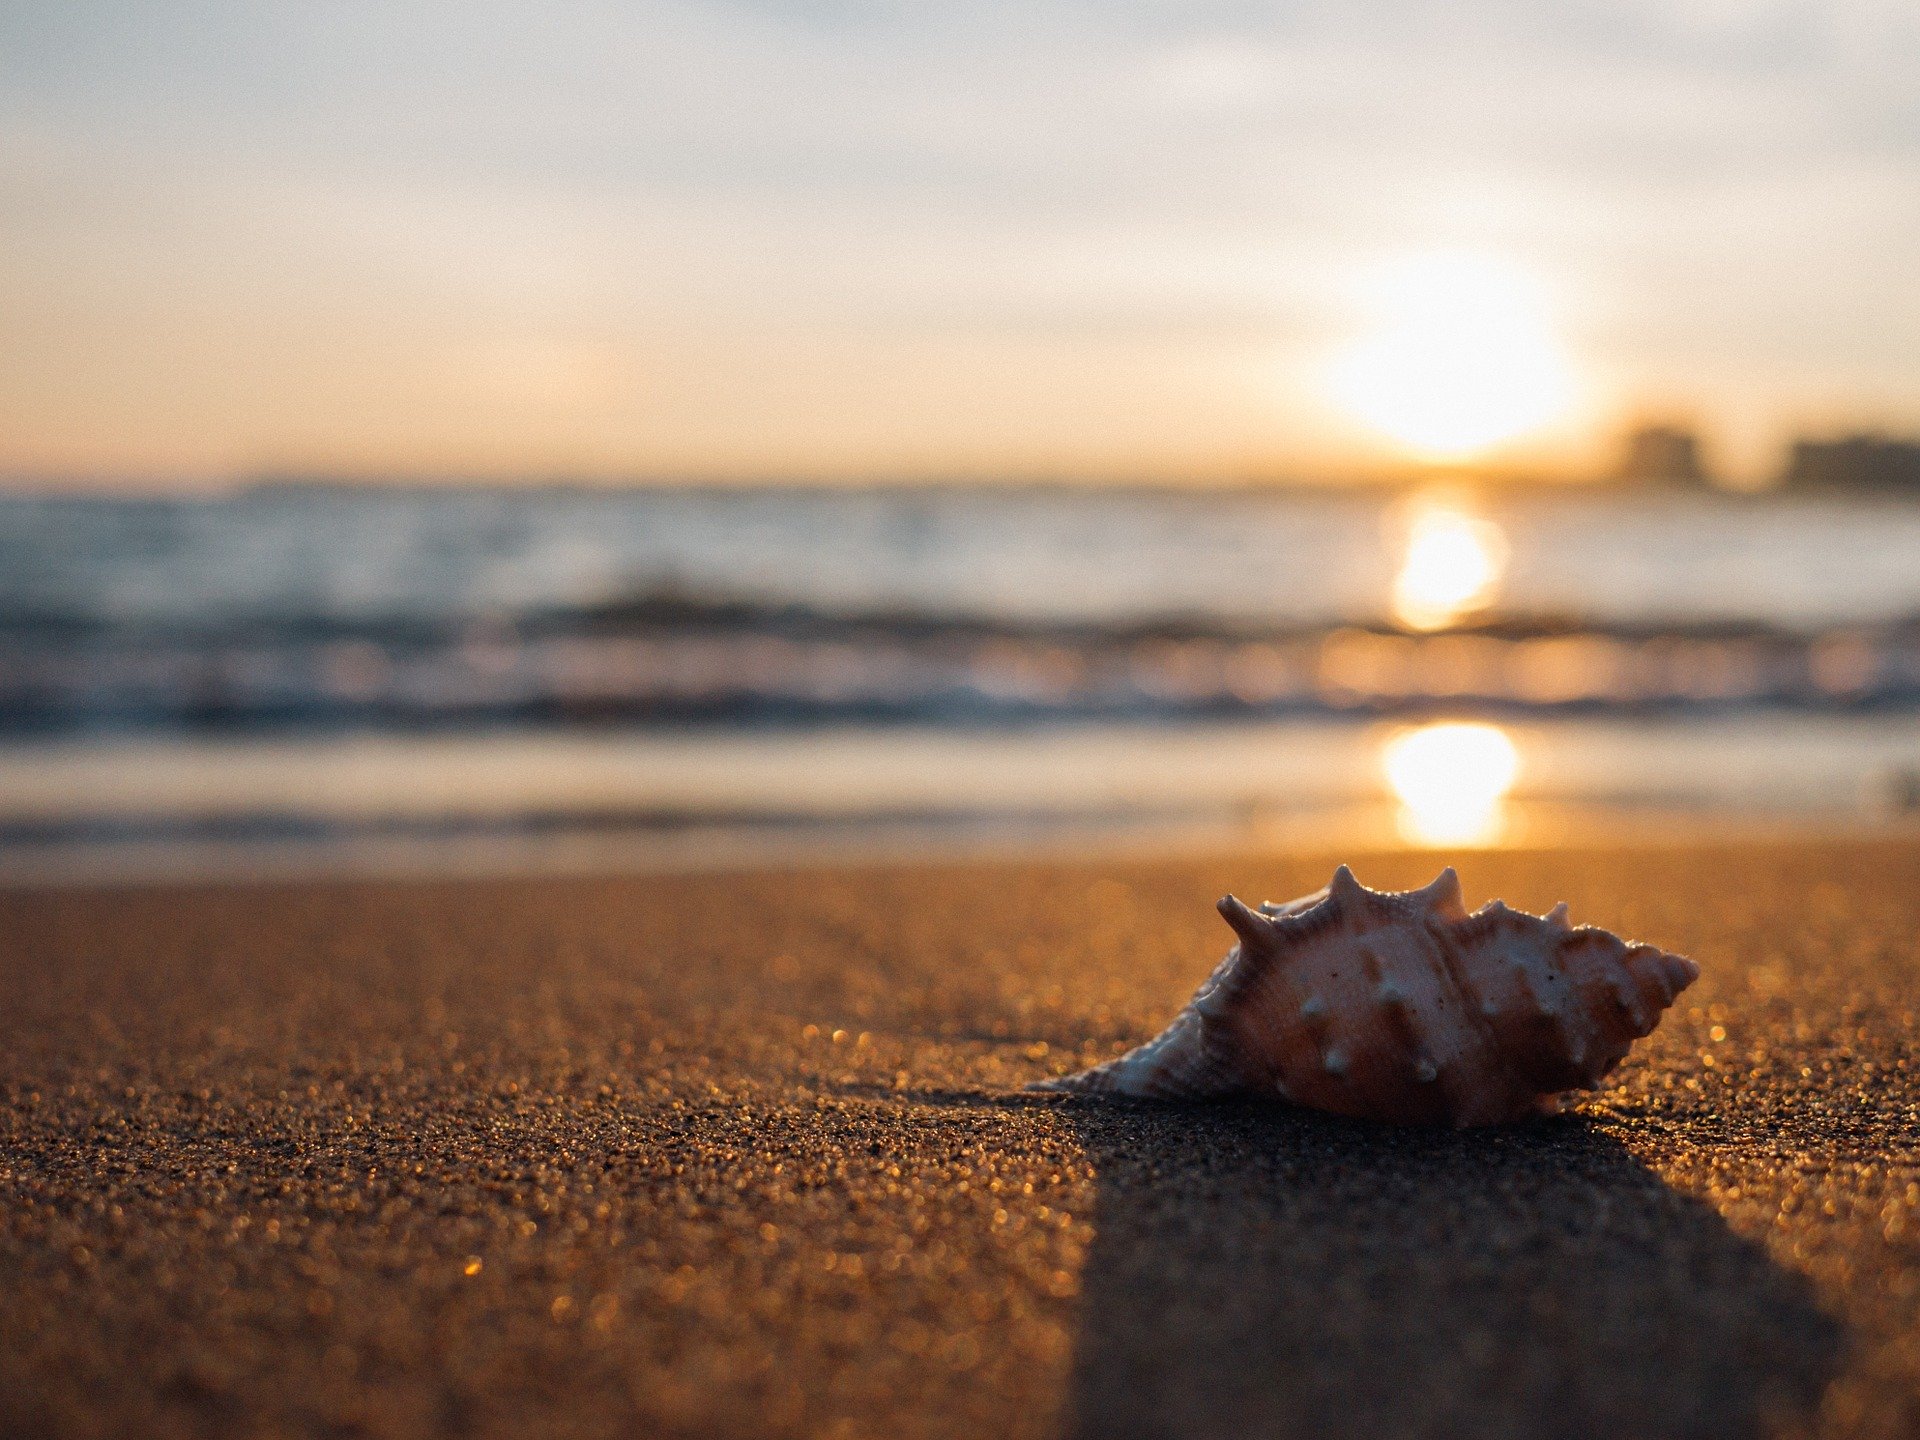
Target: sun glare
{"points": [[1453, 565], [1451, 781], [1460, 356]]}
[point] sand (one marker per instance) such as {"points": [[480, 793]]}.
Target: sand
{"points": [[746, 1155]]}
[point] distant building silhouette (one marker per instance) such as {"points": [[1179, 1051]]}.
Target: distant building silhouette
{"points": [[1855, 462], [1663, 455]]}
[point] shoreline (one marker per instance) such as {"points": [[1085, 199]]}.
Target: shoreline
{"points": [[708, 847]]}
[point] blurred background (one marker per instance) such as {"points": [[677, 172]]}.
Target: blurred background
{"points": [[713, 430]]}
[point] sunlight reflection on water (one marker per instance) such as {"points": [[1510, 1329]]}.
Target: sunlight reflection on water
{"points": [[1453, 565], [1452, 781]]}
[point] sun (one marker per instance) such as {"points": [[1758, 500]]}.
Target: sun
{"points": [[1459, 356]]}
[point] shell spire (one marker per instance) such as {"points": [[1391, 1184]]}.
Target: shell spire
{"points": [[1401, 1006]]}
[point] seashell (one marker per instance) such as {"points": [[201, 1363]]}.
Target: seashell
{"points": [[1402, 1007]]}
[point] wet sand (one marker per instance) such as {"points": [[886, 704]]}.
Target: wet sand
{"points": [[746, 1155]]}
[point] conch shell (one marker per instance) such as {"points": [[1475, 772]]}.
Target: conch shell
{"points": [[1402, 1007]]}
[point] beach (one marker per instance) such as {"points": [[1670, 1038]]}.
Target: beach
{"points": [[748, 1154]]}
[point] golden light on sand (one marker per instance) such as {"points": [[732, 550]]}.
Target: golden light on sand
{"points": [[1453, 565], [1452, 782], [1460, 356]]}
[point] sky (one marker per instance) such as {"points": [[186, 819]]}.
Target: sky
{"points": [[827, 239]]}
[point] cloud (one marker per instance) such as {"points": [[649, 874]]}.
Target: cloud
{"points": [[602, 177]]}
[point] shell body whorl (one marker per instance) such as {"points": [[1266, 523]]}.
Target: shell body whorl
{"points": [[1402, 1007]]}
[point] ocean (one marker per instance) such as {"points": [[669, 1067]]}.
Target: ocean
{"points": [[317, 664]]}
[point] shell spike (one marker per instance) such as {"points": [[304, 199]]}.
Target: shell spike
{"points": [[1558, 917], [1442, 897], [1345, 888], [1252, 928]]}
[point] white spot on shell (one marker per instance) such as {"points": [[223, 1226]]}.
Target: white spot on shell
{"points": [[1335, 1061], [1312, 1008], [1425, 1071]]}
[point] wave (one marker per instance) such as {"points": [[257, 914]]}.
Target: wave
{"points": [[672, 657]]}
